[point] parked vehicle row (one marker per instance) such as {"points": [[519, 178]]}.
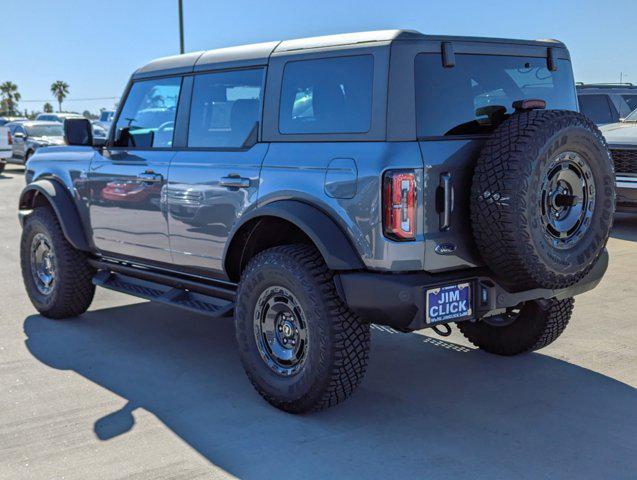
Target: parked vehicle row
{"points": [[25, 137], [312, 187], [606, 103]]}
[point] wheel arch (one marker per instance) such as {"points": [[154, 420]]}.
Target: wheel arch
{"points": [[50, 192], [288, 221]]}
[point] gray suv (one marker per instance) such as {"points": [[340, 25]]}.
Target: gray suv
{"points": [[312, 187]]}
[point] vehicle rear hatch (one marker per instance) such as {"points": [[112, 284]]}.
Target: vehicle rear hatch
{"points": [[459, 101]]}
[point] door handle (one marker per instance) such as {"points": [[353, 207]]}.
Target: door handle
{"points": [[235, 181], [447, 201], [150, 176]]}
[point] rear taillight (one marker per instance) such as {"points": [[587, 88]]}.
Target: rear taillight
{"points": [[399, 204], [10, 138]]}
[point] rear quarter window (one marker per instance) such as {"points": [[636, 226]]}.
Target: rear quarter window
{"points": [[330, 95], [477, 94]]}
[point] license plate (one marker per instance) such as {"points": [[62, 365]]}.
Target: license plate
{"points": [[449, 303]]}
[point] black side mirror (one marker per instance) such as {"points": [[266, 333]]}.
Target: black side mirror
{"points": [[78, 131]]}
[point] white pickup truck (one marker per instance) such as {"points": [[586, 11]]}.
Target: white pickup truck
{"points": [[5, 147]]}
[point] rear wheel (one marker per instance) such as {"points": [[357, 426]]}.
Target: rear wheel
{"points": [[27, 156], [301, 347], [57, 277], [2, 165], [534, 325]]}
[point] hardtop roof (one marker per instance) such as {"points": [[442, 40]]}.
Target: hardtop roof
{"points": [[259, 53]]}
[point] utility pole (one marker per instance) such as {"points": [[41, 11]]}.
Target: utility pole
{"points": [[181, 26]]}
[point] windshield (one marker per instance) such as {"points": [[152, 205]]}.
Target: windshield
{"points": [[632, 116], [45, 131], [477, 94]]}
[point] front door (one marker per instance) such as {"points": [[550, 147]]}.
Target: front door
{"points": [[128, 179], [216, 178]]}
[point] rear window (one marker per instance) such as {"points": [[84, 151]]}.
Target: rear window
{"points": [[46, 131], [477, 94], [330, 95], [598, 108]]}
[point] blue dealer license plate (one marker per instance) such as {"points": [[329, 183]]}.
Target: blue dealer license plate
{"points": [[445, 304]]}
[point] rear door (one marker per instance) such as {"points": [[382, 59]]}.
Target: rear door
{"points": [[128, 178], [216, 177], [457, 108]]}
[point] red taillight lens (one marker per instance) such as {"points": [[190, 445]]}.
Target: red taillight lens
{"points": [[399, 205], [10, 138]]}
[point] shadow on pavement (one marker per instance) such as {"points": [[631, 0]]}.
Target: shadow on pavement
{"points": [[625, 226], [427, 408]]}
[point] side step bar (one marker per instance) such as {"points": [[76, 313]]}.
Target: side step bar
{"points": [[178, 295]]}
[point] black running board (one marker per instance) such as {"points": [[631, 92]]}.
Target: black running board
{"points": [[166, 294]]}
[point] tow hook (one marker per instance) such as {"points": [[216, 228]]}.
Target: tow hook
{"points": [[444, 330]]}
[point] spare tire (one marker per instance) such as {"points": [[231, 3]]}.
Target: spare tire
{"points": [[543, 199]]}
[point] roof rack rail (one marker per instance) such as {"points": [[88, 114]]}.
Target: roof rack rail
{"points": [[605, 85]]}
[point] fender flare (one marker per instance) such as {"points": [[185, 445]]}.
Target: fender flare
{"points": [[329, 238], [63, 205]]}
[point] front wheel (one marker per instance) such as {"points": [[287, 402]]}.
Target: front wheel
{"points": [[301, 347], [57, 277], [534, 325], [2, 165]]}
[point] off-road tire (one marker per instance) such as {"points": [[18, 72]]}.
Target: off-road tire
{"points": [[28, 155], [2, 165], [73, 290], [506, 199], [537, 325], [339, 342]]}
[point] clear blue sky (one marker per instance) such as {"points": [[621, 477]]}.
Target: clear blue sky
{"points": [[94, 46]]}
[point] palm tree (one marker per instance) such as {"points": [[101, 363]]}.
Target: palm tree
{"points": [[60, 90], [10, 96]]}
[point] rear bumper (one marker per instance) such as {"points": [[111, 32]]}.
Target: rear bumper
{"points": [[398, 300]]}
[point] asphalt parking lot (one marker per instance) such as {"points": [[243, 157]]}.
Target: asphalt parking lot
{"points": [[136, 390]]}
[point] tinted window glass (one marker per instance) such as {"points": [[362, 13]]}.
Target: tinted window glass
{"points": [[477, 94], [225, 108], [597, 108], [332, 95], [631, 100], [46, 130], [148, 116]]}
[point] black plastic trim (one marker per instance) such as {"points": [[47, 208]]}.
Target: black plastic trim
{"points": [[398, 300], [62, 202], [331, 241]]}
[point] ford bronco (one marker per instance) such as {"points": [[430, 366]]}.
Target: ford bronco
{"points": [[312, 187]]}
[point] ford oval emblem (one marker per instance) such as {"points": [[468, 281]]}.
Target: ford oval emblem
{"points": [[445, 248]]}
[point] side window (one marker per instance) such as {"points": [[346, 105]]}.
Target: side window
{"points": [[598, 108], [224, 111], [147, 118], [631, 101], [331, 95]]}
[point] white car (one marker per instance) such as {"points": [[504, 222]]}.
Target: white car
{"points": [[622, 141]]}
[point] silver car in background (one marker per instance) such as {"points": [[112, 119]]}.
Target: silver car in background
{"points": [[622, 141], [27, 137]]}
